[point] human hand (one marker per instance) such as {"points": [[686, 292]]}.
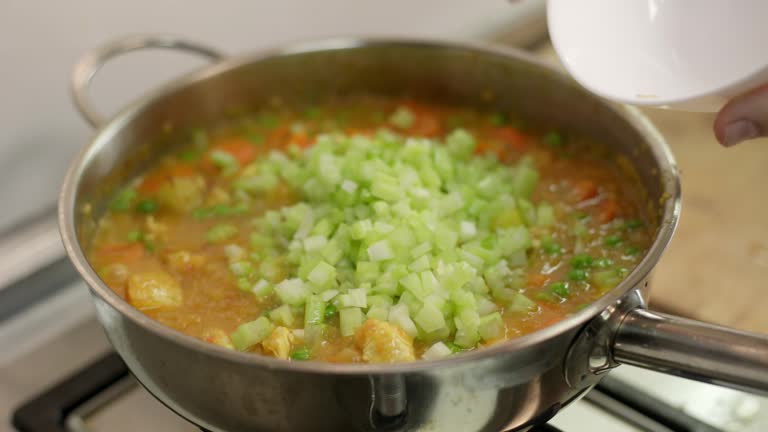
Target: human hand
{"points": [[743, 118]]}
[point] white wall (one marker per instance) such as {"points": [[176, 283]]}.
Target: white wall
{"points": [[40, 40]]}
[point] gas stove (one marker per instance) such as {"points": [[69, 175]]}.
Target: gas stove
{"points": [[58, 373]]}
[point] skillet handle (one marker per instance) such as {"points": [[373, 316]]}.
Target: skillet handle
{"points": [[693, 349], [91, 62]]}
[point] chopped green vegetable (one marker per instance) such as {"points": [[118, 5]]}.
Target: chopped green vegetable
{"points": [[603, 262], [220, 210], [189, 155], [632, 251], [402, 118], [314, 311], [330, 312], [560, 288], [633, 224], [220, 233], [301, 354], [251, 333], [283, 316], [225, 161], [135, 235], [551, 248], [581, 261], [349, 320], [606, 279], [146, 206], [497, 119], [123, 200], [577, 275], [553, 139], [612, 240]]}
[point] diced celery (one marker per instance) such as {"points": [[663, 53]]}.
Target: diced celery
{"points": [[606, 279], [292, 291], [262, 288], [491, 327], [251, 333], [328, 295], [402, 118], [379, 300], [399, 316], [234, 252], [323, 275], [524, 180], [513, 239], [380, 251], [354, 298], [385, 187], [421, 249], [283, 316], [520, 303], [241, 268], [224, 160], [545, 215], [349, 320], [460, 143], [361, 228], [420, 264], [367, 271], [467, 230], [315, 243], [429, 318], [379, 312], [314, 311], [437, 351], [485, 306]]}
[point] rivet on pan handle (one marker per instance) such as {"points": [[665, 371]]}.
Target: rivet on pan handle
{"points": [[91, 62]]}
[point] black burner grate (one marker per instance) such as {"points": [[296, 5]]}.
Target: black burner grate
{"points": [[48, 411]]}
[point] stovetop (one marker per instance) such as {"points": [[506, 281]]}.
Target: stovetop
{"points": [[57, 373]]}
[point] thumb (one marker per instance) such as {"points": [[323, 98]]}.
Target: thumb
{"points": [[743, 118]]}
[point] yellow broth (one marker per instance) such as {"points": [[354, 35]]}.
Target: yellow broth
{"points": [[158, 230]]}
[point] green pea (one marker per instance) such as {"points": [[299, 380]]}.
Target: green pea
{"points": [[301, 354], [581, 261], [551, 248], [560, 288], [123, 200], [612, 240], [146, 206], [578, 275], [330, 312]]}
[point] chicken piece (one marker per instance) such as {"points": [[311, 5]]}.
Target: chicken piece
{"points": [[382, 342], [182, 193], [184, 260], [218, 337], [153, 290], [279, 343]]}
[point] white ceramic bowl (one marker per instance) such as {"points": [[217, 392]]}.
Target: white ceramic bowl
{"points": [[690, 55]]}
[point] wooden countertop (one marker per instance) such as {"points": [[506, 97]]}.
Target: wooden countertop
{"points": [[716, 268]]}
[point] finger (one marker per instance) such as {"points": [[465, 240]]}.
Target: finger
{"points": [[743, 118]]}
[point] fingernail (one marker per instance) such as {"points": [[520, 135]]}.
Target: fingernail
{"points": [[738, 131]]}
